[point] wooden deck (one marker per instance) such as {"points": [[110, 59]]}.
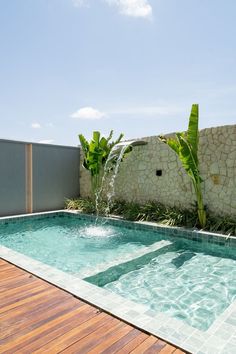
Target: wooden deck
{"points": [[37, 317]]}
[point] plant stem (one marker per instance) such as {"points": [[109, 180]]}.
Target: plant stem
{"points": [[201, 210]]}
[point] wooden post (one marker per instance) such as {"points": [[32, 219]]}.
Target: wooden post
{"points": [[29, 178]]}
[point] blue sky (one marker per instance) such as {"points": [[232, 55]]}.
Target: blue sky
{"points": [[135, 66]]}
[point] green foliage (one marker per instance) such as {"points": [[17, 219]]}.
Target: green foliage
{"points": [[185, 146], [225, 225], [96, 153], [84, 205], [156, 212]]}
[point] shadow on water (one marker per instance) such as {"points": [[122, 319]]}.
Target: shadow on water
{"points": [[182, 258]]}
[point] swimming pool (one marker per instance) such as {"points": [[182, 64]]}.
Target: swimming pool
{"points": [[76, 245], [153, 277], [185, 280]]}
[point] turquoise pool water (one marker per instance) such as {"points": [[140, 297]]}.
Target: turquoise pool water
{"points": [[191, 281], [72, 244], [184, 280]]}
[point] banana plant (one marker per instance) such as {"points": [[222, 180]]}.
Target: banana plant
{"points": [[185, 146], [96, 153]]}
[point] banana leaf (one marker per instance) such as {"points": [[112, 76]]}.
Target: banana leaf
{"points": [[96, 153], [192, 133], [185, 145]]}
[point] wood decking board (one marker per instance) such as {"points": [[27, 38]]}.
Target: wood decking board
{"points": [[37, 317]]}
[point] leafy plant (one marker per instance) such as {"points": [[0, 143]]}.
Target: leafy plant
{"points": [[84, 205], [150, 211], [96, 153], [156, 212], [186, 147], [225, 225]]}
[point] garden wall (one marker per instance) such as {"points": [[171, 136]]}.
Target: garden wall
{"points": [[139, 176]]}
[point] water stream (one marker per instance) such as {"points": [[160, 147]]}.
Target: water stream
{"points": [[111, 185], [111, 170]]}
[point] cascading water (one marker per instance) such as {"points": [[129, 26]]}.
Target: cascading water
{"points": [[111, 185], [111, 170]]}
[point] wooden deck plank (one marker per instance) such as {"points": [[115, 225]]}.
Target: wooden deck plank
{"points": [[38, 295], [134, 343], [38, 343], [23, 324], [60, 341], [37, 317], [9, 274], [117, 343], [96, 337], [145, 345], [23, 295], [103, 347], [177, 351], [8, 284], [22, 288], [48, 325], [80, 334], [12, 268], [8, 266], [156, 347], [35, 303], [168, 349], [5, 266]]}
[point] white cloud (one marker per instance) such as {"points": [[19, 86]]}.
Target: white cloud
{"points": [[88, 113], [80, 3], [35, 125], [134, 8], [46, 141]]}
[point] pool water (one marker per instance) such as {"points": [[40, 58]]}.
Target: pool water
{"points": [[188, 280], [74, 245], [182, 280]]}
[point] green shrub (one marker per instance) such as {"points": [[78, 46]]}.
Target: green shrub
{"points": [[156, 212], [225, 225]]}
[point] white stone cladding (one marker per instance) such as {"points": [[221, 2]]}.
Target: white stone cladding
{"points": [[137, 180]]}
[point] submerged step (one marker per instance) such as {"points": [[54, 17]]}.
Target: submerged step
{"points": [[113, 272]]}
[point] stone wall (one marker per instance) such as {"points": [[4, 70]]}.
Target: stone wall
{"points": [[137, 179]]}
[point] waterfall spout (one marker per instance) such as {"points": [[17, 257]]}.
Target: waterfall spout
{"points": [[132, 143]]}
